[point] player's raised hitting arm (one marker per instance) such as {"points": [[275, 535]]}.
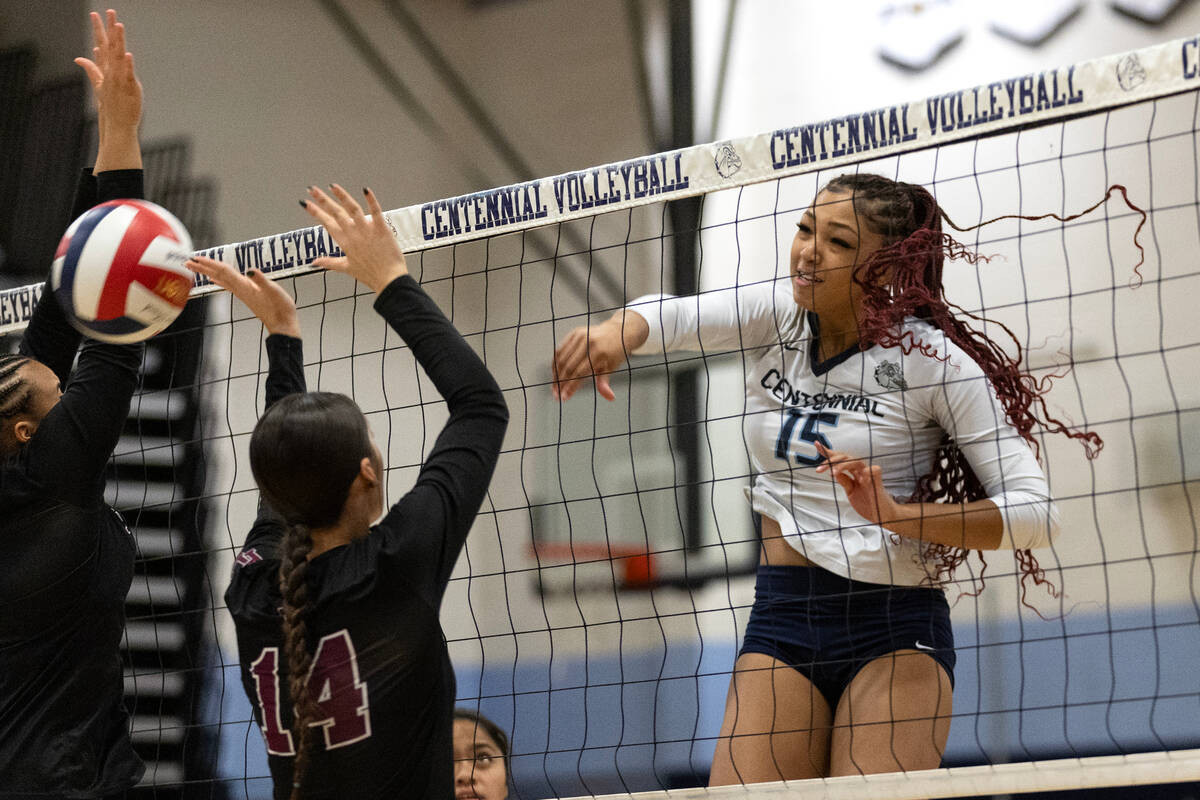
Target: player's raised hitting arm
{"points": [[744, 317]]}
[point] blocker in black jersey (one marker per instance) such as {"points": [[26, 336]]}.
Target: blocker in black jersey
{"points": [[381, 674], [66, 562]]}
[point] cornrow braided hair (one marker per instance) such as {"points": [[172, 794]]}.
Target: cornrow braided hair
{"points": [[904, 278], [14, 392], [293, 572]]}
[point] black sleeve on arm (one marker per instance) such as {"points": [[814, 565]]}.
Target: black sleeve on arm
{"points": [[285, 367], [49, 337], [429, 525], [285, 375], [76, 439]]}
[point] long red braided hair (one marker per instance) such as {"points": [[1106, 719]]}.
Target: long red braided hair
{"points": [[904, 279]]}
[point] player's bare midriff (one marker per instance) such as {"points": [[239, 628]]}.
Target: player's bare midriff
{"points": [[775, 549]]}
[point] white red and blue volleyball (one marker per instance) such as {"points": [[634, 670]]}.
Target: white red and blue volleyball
{"points": [[118, 272]]}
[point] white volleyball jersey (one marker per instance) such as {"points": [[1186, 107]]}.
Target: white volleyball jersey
{"points": [[883, 405]]}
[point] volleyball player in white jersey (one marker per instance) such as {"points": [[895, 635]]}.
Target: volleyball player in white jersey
{"points": [[887, 439]]}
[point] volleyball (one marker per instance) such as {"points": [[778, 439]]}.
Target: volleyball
{"points": [[119, 271]]}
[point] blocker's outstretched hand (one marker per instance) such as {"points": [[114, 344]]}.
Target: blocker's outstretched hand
{"points": [[373, 256], [118, 94], [265, 298]]}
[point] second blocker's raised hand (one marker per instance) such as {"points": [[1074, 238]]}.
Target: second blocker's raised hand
{"points": [[373, 256], [265, 298]]}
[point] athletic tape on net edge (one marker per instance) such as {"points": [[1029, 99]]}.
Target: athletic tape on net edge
{"points": [[1089, 86]]}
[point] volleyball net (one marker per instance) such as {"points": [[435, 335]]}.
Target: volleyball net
{"points": [[597, 609]]}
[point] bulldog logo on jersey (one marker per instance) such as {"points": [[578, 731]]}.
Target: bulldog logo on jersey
{"points": [[890, 376]]}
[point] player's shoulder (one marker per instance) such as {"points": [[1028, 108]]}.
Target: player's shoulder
{"points": [[765, 297], [263, 542], [933, 353], [253, 590], [258, 560], [256, 554], [924, 359], [767, 311]]}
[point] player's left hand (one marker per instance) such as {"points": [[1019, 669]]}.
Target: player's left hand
{"points": [[862, 483], [265, 298]]}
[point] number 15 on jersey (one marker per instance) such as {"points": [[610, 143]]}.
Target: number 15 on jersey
{"points": [[808, 435]]}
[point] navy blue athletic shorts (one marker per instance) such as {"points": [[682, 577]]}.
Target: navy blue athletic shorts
{"points": [[828, 627]]}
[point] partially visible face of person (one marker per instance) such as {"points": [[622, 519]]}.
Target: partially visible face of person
{"points": [[831, 240], [45, 394], [479, 769]]}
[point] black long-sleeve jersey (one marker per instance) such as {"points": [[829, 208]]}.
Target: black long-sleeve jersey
{"points": [[381, 672], [66, 562]]}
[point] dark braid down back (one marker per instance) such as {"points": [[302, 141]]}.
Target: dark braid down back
{"points": [[305, 453], [904, 278], [293, 581]]}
